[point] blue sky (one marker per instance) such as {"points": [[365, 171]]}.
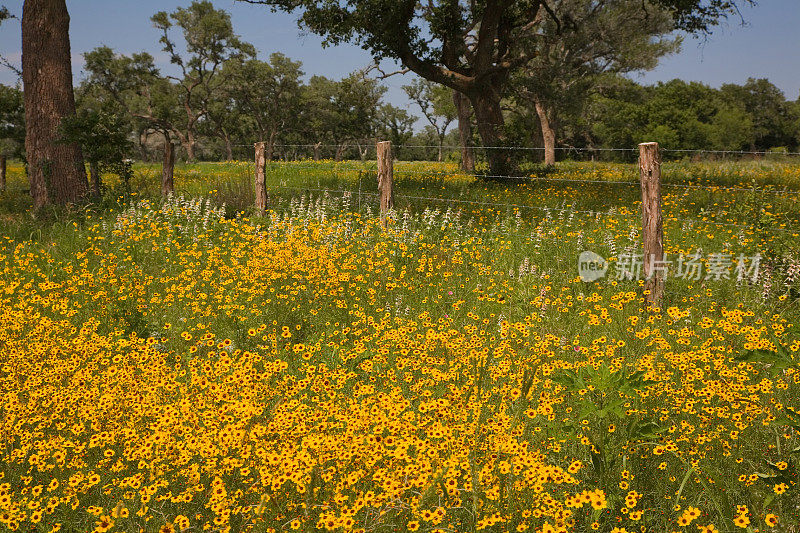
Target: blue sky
{"points": [[767, 46]]}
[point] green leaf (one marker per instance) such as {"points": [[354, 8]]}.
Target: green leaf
{"points": [[566, 378], [645, 430]]}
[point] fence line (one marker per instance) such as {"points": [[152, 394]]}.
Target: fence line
{"points": [[400, 170], [401, 196], [369, 147], [649, 185], [595, 214]]}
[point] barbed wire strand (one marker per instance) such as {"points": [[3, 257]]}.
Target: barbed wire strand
{"points": [[710, 188], [349, 147], [548, 209]]}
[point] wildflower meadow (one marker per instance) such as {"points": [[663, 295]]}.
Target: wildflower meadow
{"points": [[184, 365]]}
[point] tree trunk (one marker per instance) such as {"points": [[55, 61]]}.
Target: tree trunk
{"points": [[55, 170], [94, 174], [489, 117], [168, 168], [548, 133], [441, 143], [271, 145], [143, 145], [339, 151], [228, 147], [464, 131], [190, 145], [2, 173], [316, 151], [362, 153]]}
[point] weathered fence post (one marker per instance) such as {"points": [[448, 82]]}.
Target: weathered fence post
{"points": [[168, 169], [385, 177], [260, 181], [2, 173], [653, 231]]}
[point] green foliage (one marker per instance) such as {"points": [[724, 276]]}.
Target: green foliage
{"points": [[692, 116], [208, 36], [136, 85], [700, 15], [437, 106], [569, 66], [266, 94], [12, 122], [396, 125], [766, 106], [342, 111], [102, 136]]}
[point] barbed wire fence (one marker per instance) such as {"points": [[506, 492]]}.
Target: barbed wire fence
{"points": [[366, 169], [368, 172]]}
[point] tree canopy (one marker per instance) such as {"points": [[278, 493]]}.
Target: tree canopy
{"points": [[472, 47]]}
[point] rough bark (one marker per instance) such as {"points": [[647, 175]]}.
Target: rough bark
{"points": [[489, 118], [55, 170], [191, 142], [94, 178], [464, 131], [260, 179], [168, 168], [548, 133], [385, 177], [316, 151], [653, 234]]}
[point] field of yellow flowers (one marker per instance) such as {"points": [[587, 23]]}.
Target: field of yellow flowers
{"points": [[183, 365]]}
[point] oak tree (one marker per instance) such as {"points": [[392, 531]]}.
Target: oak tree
{"points": [[55, 170], [470, 46]]}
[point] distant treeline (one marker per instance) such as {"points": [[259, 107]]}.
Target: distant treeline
{"points": [[326, 118]]}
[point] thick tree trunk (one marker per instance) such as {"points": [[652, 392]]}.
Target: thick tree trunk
{"points": [[2, 173], [55, 170], [168, 168], [489, 117], [94, 175], [464, 131], [316, 151], [548, 133]]}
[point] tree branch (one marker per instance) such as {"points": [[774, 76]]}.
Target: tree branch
{"points": [[383, 74]]}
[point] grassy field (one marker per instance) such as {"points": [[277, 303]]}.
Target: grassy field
{"points": [[184, 365]]}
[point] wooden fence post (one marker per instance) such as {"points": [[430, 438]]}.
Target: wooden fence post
{"points": [[385, 177], [2, 173], [653, 231], [260, 181], [168, 169]]}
